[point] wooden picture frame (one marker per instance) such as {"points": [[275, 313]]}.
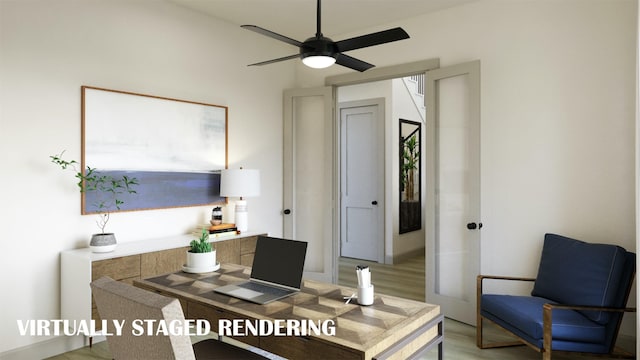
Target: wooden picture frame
{"points": [[174, 148]]}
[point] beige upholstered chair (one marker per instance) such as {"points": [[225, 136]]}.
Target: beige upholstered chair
{"points": [[120, 301]]}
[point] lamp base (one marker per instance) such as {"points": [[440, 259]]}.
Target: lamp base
{"points": [[242, 216]]}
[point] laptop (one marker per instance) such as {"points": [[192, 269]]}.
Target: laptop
{"points": [[276, 272]]}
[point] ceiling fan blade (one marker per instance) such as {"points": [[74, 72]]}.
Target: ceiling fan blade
{"points": [[271, 34], [372, 39], [353, 63], [296, 56]]}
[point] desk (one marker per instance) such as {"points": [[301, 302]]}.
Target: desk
{"points": [[391, 328]]}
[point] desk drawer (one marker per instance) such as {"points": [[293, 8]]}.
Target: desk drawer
{"points": [[198, 311], [117, 269], [247, 250], [160, 262], [297, 347], [248, 245]]}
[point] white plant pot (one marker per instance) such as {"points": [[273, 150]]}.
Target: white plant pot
{"points": [[201, 260]]}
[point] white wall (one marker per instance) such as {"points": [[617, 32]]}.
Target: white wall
{"points": [[557, 113], [48, 49]]}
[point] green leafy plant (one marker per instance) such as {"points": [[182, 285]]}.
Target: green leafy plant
{"points": [[410, 158], [201, 245], [109, 187]]}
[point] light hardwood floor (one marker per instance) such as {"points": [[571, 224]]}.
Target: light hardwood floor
{"points": [[406, 280]]}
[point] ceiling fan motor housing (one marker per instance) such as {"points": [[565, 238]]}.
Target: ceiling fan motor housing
{"points": [[318, 46]]}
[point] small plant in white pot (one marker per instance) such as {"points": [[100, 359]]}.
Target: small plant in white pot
{"points": [[202, 255]]}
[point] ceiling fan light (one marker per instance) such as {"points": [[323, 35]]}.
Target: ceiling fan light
{"points": [[319, 61]]}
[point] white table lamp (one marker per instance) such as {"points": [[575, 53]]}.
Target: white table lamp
{"points": [[240, 183]]}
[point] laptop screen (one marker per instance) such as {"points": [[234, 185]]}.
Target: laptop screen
{"points": [[279, 261]]}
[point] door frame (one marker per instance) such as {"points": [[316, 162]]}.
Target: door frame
{"points": [[375, 74], [381, 120]]}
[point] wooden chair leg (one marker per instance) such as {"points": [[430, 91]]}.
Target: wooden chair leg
{"points": [[479, 332], [546, 330], [478, 316]]}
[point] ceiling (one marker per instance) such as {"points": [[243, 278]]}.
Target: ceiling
{"points": [[297, 18]]}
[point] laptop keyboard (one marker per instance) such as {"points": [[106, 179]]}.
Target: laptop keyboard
{"points": [[265, 289]]}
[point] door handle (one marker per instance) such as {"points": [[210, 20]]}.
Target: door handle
{"points": [[473, 226], [374, 202], [287, 211]]}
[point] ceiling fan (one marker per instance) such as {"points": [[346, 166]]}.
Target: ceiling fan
{"points": [[321, 52]]}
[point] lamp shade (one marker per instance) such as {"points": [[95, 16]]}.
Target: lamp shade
{"points": [[240, 183]]}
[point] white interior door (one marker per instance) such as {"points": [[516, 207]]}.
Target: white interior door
{"points": [[453, 188], [361, 185], [309, 177]]}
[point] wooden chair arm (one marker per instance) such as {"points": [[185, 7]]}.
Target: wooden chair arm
{"points": [[479, 281], [549, 307], [497, 277]]}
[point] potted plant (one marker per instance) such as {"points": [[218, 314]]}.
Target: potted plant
{"points": [[202, 255], [110, 190], [410, 157]]}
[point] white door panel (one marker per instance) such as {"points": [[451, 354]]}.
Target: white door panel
{"points": [[361, 180], [453, 183], [308, 176]]}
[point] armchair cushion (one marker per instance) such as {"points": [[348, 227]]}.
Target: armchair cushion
{"points": [[525, 314], [579, 273]]}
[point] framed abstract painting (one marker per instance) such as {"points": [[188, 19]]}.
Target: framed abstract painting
{"points": [[175, 149]]}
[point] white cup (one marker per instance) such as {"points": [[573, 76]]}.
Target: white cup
{"points": [[365, 295]]}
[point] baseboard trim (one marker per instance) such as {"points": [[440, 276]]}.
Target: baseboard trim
{"points": [[47, 348]]}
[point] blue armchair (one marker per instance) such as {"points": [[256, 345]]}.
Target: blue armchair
{"points": [[577, 302]]}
